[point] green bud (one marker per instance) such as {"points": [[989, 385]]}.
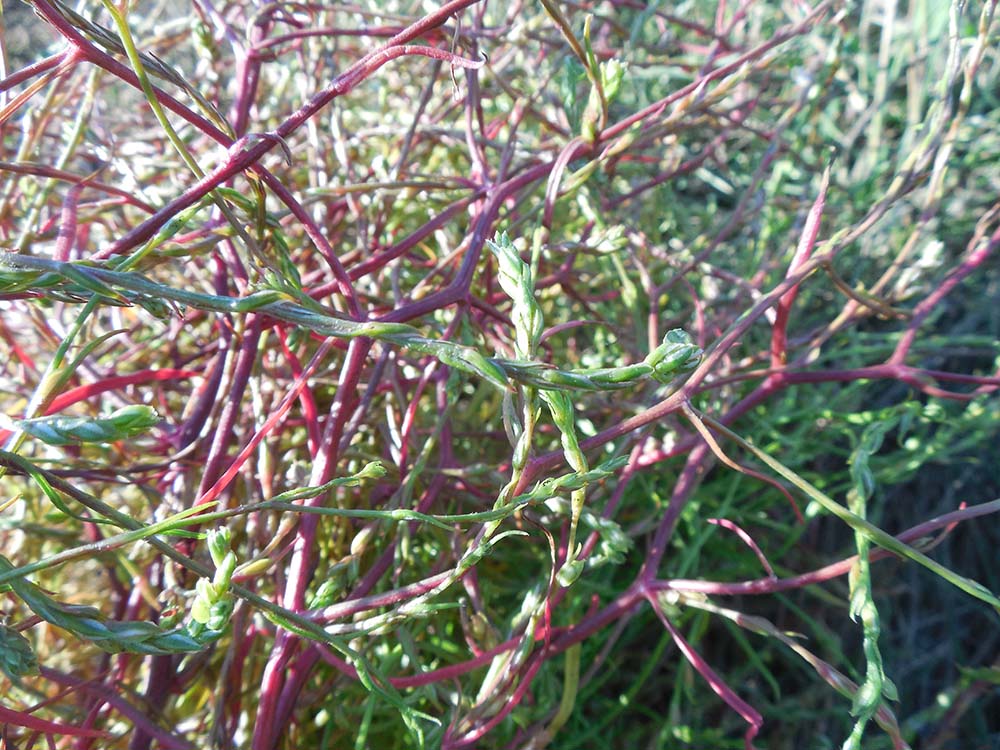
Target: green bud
{"points": [[677, 353], [253, 567], [205, 590], [177, 642], [155, 307], [224, 574], [120, 424], [511, 419], [16, 656], [201, 610], [371, 470], [612, 74], [219, 614], [591, 117], [614, 377], [360, 542], [516, 280], [326, 594], [218, 544], [134, 630], [569, 572], [468, 360]]}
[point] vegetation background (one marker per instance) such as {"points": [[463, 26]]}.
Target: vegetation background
{"points": [[531, 374]]}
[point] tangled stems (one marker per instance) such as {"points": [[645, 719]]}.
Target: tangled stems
{"points": [[660, 172], [51, 484], [676, 354], [210, 612]]}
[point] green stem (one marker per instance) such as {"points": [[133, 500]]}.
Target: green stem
{"points": [[875, 534]]}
